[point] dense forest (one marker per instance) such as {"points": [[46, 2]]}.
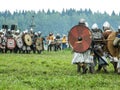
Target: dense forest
{"points": [[56, 22]]}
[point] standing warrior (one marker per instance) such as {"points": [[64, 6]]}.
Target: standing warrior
{"points": [[115, 59], [50, 40], [97, 45], [64, 42], [107, 33], [57, 42], [82, 52]]}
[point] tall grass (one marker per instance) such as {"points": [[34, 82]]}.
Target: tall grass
{"points": [[51, 71]]}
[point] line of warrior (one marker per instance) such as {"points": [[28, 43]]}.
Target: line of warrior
{"points": [[14, 41], [103, 49]]}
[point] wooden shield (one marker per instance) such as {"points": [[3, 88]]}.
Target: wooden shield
{"points": [[84, 33], [113, 50], [19, 42], [39, 44], [11, 44], [27, 39]]}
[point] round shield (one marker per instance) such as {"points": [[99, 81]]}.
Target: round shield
{"points": [[83, 32], [113, 50], [27, 39], [39, 44], [11, 43], [19, 42]]}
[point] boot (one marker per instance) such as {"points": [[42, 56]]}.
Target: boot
{"points": [[91, 69], [118, 71], [78, 68], [115, 67], [84, 69], [105, 69], [99, 68]]}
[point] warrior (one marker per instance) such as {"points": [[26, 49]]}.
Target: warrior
{"points": [[107, 31], [83, 59], [39, 42], [64, 42], [50, 40], [57, 42], [3, 43], [97, 46], [16, 35], [116, 60]]}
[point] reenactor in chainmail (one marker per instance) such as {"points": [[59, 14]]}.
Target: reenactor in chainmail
{"points": [[24, 45], [57, 42], [97, 46], [15, 36], [33, 46], [42, 41], [4, 38], [3, 43], [8, 34], [107, 31], [28, 48], [31, 33], [83, 60], [115, 60]]}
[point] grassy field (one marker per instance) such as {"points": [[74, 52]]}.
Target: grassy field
{"points": [[51, 71]]}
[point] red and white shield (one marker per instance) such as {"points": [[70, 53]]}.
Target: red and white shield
{"points": [[83, 32], [11, 43], [19, 42]]}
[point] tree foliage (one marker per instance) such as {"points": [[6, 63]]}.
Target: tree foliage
{"points": [[57, 22]]}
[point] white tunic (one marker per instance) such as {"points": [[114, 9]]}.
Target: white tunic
{"points": [[82, 57]]}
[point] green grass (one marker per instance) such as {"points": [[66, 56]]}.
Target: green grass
{"points": [[51, 71]]}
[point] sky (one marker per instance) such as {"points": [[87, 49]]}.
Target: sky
{"points": [[58, 5]]}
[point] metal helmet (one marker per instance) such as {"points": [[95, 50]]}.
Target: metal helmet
{"points": [[8, 30], [31, 29], [94, 26], [18, 31], [106, 25], [39, 32], [36, 33], [82, 20], [118, 28]]}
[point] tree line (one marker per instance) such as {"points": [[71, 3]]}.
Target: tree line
{"points": [[56, 22]]}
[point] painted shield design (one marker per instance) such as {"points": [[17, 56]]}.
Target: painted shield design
{"points": [[27, 39], [39, 44], [19, 42], [113, 50], [83, 32], [11, 43]]}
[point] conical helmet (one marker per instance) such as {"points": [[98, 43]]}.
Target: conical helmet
{"points": [[94, 26]]}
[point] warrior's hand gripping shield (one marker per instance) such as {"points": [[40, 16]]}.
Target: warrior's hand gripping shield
{"points": [[83, 32]]}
